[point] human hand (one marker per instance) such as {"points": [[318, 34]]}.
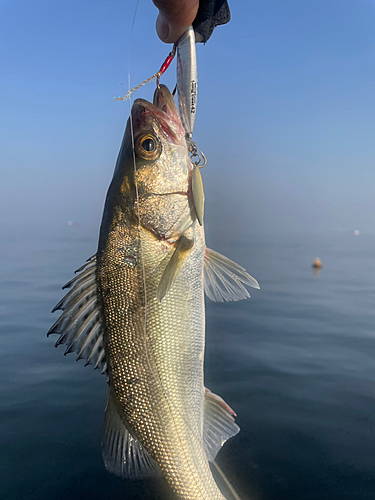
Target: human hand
{"points": [[175, 16]]}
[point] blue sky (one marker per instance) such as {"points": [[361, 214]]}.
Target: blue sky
{"points": [[285, 110]]}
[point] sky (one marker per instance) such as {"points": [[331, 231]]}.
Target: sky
{"points": [[285, 111]]}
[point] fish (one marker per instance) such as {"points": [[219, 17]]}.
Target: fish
{"points": [[136, 311]]}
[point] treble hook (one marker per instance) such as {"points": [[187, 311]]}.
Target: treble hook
{"points": [[193, 150], [197, 163]]}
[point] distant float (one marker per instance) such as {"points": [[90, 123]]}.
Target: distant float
{"points": [[317, 264]]}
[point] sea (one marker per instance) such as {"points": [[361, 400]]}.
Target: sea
{"points": [[296, 362]]}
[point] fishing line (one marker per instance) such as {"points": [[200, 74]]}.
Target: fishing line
{"points": [[154, 372], [137, 195], [226, 480]]}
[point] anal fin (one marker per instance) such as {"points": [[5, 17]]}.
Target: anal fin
{"points": [[123, 455], [219, 424]]}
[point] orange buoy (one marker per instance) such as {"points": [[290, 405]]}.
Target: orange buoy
{"points": [[317, 264]]}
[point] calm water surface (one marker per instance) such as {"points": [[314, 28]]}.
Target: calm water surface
{"points": [[296, 362]]}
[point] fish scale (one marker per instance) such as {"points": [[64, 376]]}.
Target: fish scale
{"points": [[164, 368]]}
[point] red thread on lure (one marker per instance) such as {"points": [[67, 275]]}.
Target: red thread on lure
{"points": [[157, 75]]}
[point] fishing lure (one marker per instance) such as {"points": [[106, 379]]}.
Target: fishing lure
{"points": [[187, 90]]}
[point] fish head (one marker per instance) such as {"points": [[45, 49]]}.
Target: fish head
{"points": [[161, 157], [155, 165]]}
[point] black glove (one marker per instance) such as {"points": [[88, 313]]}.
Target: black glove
{"points": [[211, 13]]}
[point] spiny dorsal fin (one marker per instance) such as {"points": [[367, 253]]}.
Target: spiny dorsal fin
{"points": [[198, 194], [80, 325], [174, 266], [224, 280], [219, 424], [122, 454]]}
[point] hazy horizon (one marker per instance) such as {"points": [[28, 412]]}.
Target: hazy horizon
{"points": [[285, 111]]}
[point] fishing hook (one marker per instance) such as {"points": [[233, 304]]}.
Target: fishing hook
{"points": [[197, 163]]}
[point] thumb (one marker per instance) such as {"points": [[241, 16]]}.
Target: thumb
{"points": [[175, 16]]}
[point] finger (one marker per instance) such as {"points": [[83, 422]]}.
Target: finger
{"points": [[175, 16]]}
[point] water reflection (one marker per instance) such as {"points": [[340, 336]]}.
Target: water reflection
{"points": [[295, 362]]}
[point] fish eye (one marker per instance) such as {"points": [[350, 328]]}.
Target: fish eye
{"points": [[147, 147]]}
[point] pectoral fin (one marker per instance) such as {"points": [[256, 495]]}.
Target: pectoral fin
{"points": [[198, 194], [123, 455], [174, 266], [219, 424], [224, 280]]}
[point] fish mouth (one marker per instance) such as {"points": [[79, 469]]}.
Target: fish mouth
{"points": [[163, 111], [163, 99]]}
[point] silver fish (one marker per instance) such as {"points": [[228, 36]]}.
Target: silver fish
{"points": [[136, 310]]}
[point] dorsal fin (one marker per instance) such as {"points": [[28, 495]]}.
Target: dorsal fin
{"points": [[224, 280], [80, 326], [174, 266], [123, 455], [219, 424]]}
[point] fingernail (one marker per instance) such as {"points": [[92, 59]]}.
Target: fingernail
{"points": [[162, 28]]}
